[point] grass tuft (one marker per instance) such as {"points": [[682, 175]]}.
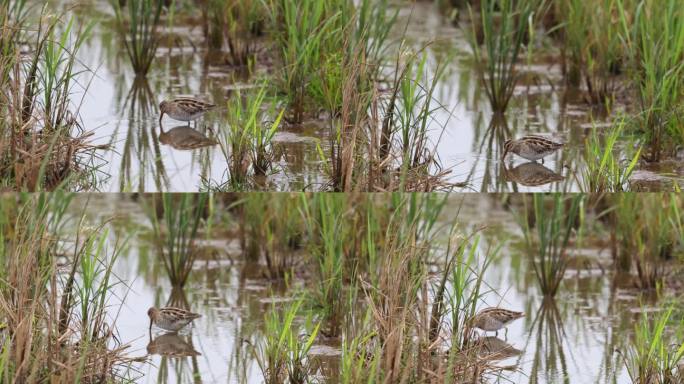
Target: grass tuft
{"points": [[138, 29]]}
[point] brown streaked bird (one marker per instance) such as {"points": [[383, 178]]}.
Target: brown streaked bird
{"points": [[493, 319], [185, 138], [532, 174], [531, 147], [184, 109], [170, 318]]}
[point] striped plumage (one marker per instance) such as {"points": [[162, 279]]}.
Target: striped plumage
{"points": [[493, 319], [531, 147], [171, 318], [184, 109]]}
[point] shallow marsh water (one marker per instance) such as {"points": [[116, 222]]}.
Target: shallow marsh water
{"points": [[575, 339], [123, 112]]}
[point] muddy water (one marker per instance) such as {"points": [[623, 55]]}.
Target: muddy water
{"points": [[123, 112], [572, 340]]}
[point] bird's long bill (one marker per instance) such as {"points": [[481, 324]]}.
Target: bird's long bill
{"points": [[505, 152], [160, 120], [150, 328]]}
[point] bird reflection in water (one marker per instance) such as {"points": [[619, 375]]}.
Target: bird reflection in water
{"points": [[532, 174], [493, 348], [185, 138], [171, 345]]}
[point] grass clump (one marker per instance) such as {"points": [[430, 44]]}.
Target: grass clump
{"points": [[556, 219], [246, 140], [505, 26], [654, 40], [56, 326], [383, 143], [176, 219], [592, 46], [656, 348], [415, 324], [325, 216], [272, 226], [321, 43], [604, 169], [42, 143], [649, 229], [242, 23], [138, 29], [299, 29], [282, 352]]}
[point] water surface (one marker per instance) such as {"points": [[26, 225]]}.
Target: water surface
{"points": [[572, 339], [123, 111]]}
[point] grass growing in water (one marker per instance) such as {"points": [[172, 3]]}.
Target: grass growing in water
{"points": [[505, 26], [414, 324], [175, 234], [56, 324], [655, 47], [321, 43], [604, 170], [383, 143], [555, 218], [272, 226], [236, 25], [325, 216], [592, 46], [656, 349], [649, 229], [138, 29], [299, 30], [246, 139], [282, 353], [42, 143]]}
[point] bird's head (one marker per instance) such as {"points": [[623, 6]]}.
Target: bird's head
{"points": [[152, 312]]}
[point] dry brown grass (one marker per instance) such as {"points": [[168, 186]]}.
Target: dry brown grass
{"points": [[43, 145], [47, 336]]}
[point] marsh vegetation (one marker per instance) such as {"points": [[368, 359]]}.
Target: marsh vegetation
{"points": [[341, 287], [342, 96]]}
